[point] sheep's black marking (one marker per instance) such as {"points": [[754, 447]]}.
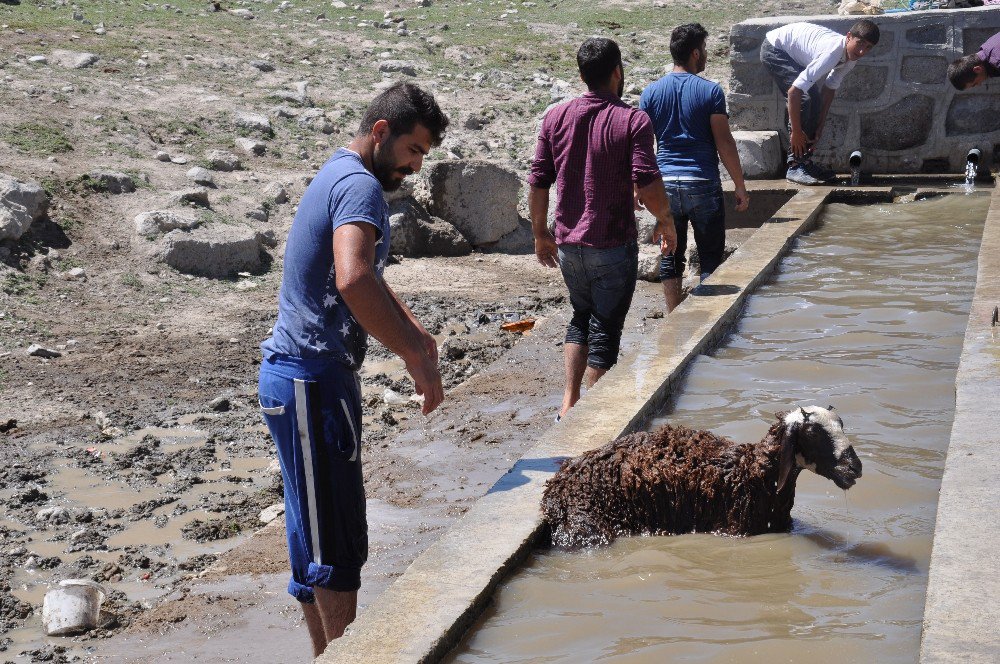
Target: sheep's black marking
{"points": [[677, 480]]}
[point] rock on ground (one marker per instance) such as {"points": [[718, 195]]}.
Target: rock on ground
{"points": [[73, 59], [156, 222], [220, 160], [479, 198], [21, 203], [254, 122], [416, 233], [113, 182], [213, 252]]}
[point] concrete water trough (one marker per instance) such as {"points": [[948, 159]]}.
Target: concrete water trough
{"points": [[430, 607]]}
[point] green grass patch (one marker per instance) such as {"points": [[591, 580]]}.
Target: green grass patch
{"points": [[20, 285], [38, 139], [131, 280]]}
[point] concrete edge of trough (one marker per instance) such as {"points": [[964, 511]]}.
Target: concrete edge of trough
{"points": [[427, 610], [962, 608]]}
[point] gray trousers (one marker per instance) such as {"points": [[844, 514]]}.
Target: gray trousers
{"points": [[785, 70]]}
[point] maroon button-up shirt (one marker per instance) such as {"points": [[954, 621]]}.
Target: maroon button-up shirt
{"points": [[595, 148]]}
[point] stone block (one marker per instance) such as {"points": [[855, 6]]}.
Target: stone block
{"points": [[924, 69], [973, 38], [752, 116], [865, 83], [834, 138], [745, 43], [906, 124], [479, 198], [973, 114], [760, 153], [886, 42], [214, 252], [751, 79], [932, 34]]}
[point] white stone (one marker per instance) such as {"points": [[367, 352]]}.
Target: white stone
{"points": [[73, 59], [156, 222], [213, 252], [269, 514], [478, 198], [201, 176], [21, 204], [760, 153]]}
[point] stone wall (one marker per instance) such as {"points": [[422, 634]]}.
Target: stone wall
{"points": [[897, 106]]}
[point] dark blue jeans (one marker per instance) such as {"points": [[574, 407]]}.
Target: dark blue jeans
{"points": [[701, 203], [601, 283], [784, 70]]}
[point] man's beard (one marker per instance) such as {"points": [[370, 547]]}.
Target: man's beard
{"points": [[384, 168]]}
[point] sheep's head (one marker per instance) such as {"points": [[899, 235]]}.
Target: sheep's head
{"points": [[813, 438]]}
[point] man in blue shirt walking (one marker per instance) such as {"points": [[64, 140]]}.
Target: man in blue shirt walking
{"points": [[692, 133], [332, 297]]}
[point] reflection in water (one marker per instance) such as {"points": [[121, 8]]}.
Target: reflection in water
{"points": [[867, 314]]}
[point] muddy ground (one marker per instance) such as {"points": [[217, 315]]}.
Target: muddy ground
{"points": [[137, 456]]}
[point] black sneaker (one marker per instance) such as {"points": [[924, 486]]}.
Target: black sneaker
{"points": [[798, 174], [821, 173]]}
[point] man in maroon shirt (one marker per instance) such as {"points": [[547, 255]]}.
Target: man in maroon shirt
{"points": [[599, 152], [972, 70]]}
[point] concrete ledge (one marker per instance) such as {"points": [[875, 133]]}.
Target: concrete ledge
{"points": [[426, 611], [962, 609]]}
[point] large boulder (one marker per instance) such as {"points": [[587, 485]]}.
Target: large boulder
{"points": [[478, 198], [760, 154], [413, 232], [221, 251], [21, 203]]}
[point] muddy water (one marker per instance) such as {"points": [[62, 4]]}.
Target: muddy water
{"points": [[109, 497], [867, 314]]}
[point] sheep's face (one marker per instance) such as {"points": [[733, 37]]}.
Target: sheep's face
{"points": [[816, 441]]}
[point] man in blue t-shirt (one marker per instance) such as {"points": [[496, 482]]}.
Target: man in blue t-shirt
{"points": [[332, 297], [692, 134]]}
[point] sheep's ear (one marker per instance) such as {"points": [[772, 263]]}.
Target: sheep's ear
{"points": [[830, 408], [786, 456]]}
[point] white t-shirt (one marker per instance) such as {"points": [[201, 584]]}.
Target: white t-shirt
{"points": [[820, 50]]}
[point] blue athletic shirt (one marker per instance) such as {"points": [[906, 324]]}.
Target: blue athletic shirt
{"points": [[680, 106], [313, 321]]}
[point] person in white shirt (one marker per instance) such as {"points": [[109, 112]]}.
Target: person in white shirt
{"points": [[809, 62]]}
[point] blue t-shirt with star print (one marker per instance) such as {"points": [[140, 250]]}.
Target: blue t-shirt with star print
{"points": [[313, 321]]}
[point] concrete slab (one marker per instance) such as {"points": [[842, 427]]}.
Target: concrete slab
{"points": [[962, 609], [426, 611]]}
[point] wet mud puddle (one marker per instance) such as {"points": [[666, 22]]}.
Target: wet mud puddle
{"points": [[137, 512], [868, 314]]}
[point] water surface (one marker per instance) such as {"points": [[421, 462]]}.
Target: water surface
{"points": [[867, 314]]}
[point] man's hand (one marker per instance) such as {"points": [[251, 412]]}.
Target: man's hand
{"points": [[423, 369], [799, 141], [546, 250], [666, 235], [742, 199]]}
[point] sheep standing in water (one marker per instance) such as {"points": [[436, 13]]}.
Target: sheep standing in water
{"points": [[677, 480]]}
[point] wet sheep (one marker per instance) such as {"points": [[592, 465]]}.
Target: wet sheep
{"points": [[677, 480]]}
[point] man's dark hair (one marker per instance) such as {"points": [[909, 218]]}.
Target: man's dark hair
{"points": [[403, 106], [685, 39], [960, 71], [867, 30], [597, 58]]}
